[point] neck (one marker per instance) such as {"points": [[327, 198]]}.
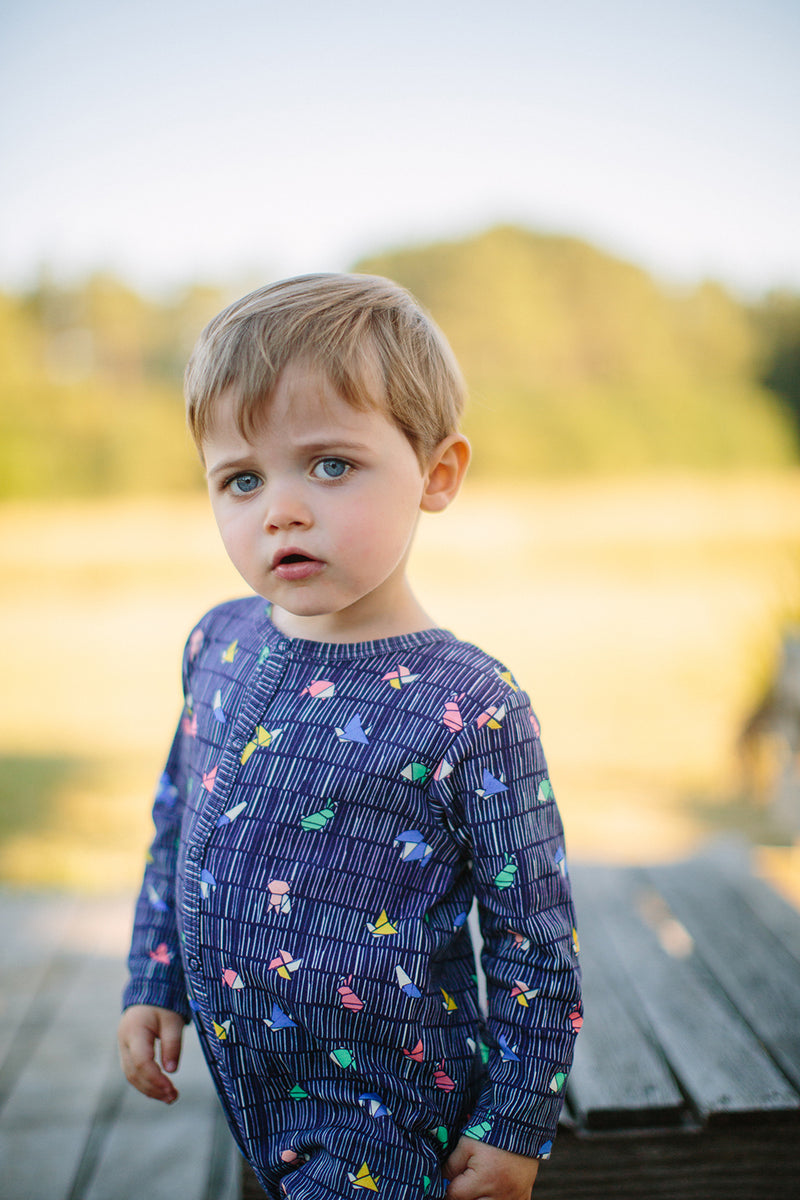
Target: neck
{"points": [[348, 626]]}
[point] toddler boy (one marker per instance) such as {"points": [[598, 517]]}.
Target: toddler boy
{"points": [[345, 778]]}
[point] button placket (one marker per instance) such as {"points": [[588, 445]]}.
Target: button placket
{"points": [[262, 687]]}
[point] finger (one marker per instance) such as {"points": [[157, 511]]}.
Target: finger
{"points": [[141, 1069], [151, 1081], [171, 1034], [464, 1183], [147, 1077], [464, 1187], [458, 1160]]}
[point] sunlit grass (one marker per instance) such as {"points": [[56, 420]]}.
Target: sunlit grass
{"points": [[641, 616]]}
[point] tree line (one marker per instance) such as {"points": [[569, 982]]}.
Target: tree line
{"points": [[575, 361]]}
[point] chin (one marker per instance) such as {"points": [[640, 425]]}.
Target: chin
{"points": [[305, 611]]}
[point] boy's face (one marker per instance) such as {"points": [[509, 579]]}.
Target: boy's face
{"points": [[317, 510]]}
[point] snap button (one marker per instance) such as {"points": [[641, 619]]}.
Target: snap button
{"points": [[195, 853], [283, 645], [194, 964]]}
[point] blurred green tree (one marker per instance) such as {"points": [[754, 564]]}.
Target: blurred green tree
{"points": [[575, 360], [579, 361], [777, 321]]}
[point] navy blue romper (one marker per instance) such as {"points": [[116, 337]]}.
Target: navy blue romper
{"points": [[326, 817]]}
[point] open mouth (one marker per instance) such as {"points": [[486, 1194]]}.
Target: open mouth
{"points": [[294, 565]]}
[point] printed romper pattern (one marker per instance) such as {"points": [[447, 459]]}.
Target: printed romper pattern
{"points": [[325, 817]]}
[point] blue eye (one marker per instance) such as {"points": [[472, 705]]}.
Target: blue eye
{"points": [[330, 468], [244, 484]]}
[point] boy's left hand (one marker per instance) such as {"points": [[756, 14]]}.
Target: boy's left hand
{"points": [[481, 1172]]}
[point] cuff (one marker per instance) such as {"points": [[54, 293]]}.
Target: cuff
{"points": [[531, 1135], [147, 992]]}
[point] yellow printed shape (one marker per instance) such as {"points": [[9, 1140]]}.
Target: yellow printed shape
{"points": [[363, 1179], [260, 740], [493, 717], [508, 678], [382, 926]]}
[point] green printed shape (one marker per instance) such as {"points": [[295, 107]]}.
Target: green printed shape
{"points": [[479, 1130], [416, 772], [483, 1050], [505, 877], [319, 819], [297, 1093], [545, 792], [342, 1057]]}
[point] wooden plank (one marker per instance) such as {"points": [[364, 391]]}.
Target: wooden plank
{"points": [[73, 1047], [47, 1118], [713, 1054], [72, 1128], [758, 974], [620, 1079], [30, 983], [37, 1161], [780, 917], [225, 1176], [752, 1164], [33, 926], [27, 1020], [147, 1149]]}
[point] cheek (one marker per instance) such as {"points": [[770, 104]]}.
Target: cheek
{"points": [[358, 532], [378, 529], [236, 536]]}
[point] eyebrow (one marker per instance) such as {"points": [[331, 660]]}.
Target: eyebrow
{"points": [[228, 464], [327, 446], [331, 446]]}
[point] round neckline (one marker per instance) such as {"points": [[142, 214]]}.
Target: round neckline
{"points": [[376, 647]]}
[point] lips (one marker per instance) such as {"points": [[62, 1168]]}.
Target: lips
{"points": [[294, 565]]}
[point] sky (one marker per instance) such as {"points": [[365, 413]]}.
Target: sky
{"points": [[171, 141]]}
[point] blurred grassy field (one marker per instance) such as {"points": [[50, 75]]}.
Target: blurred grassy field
{"points": [[642, 616]]}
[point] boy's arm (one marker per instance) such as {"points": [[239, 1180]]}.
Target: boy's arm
{"points": [[154, 962], [502, 793]]}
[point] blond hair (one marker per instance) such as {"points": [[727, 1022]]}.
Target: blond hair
{"points": [[364, 333]]}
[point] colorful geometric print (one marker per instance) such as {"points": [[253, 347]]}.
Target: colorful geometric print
{"points": [[317, 852]]}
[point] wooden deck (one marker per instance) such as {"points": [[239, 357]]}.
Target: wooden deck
{"points": [[71, 1128], [686, 1081]]}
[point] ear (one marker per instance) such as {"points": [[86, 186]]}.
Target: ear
{"points": [[447, 467]]}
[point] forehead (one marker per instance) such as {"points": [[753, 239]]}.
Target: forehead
{"points": [[303, 407], [304, 388], [300, 388]]}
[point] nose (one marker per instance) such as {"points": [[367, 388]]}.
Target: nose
{"points": [[286, 508]]}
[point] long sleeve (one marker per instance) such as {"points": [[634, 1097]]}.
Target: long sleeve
{"points": [[154, 962], [504, 804]]}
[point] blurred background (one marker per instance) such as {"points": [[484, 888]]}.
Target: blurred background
{"points": [[597, 202]]}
